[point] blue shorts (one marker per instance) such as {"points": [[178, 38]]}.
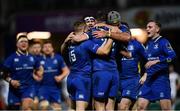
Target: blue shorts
{"points": [[15, 96], [51, 94], [37, 86], [105, 84], [156, 89], [130, 88], [79, 87]]}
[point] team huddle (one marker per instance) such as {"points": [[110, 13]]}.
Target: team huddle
{"points": [[102, 68]]}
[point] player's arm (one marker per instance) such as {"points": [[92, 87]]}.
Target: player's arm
{"points": [[168, 51], [65, 72], [7, 71], [104, 49], [126, 53], [143, 78], [38, 73], [114, 33], [6, 77], [120, 36], [66, 42]]}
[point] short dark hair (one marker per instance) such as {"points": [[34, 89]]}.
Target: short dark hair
{"points": [[101, 16], [36, 42], [156, 22], [78, 25], [48, 42]]}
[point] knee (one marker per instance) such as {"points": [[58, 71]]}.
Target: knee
{"points": [[166, 107], [27, 104], [124, 106], [141, 106], [44, 105]]}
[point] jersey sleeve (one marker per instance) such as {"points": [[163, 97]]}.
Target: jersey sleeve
{"points": [[124, 28], [91, 46], [37, 62], [168, 51], [141, 50], [61, 61], [8, 63]]}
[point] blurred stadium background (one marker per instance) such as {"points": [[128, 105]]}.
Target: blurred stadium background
{"points": [[57, 17]]}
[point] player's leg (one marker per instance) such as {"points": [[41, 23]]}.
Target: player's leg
{"points": [[99, 104], [72, 92], [36, 98], [113, 89], [124, 104], [144, 97], [55, 99], [110, 104], [81, 105], [142, 104], [36, 103], [165, 104], [130, 88], [43, 96], [27, 104], [83, 92], [56, 106], [44, 105], [13, 100], [162, 91], [101, 82], [27, 98]]}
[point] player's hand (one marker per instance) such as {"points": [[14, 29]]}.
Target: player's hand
{"points": [[150, 63], [69, 37], [58, 79], [143, 78], [37, 78], [40, 71], [126, 54], [100, 34], [15, 83]]}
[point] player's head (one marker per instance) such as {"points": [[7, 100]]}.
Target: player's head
{"points": [[35, 48], [153, 28], [79, 26], [114, 18], [22, 41], [101, 16], [47, 48], [90, 21]]}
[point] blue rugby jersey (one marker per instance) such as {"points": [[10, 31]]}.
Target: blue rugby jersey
{"points": [[21, 68], [130, 65], [124, 28], [80, 56], [52, 67], [159, 49], [103, 62]]}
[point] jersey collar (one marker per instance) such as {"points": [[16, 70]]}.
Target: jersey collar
{"points": [[45, 57], [19, 53], [156, 38]]}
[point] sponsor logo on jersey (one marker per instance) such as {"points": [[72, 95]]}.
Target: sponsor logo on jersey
{"points": [[55, 61], [42, 62], [81, 96], [16, 60], [156, 46], [31, 59]]}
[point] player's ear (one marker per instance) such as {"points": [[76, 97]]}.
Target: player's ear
{"points": [[157, 29]]}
